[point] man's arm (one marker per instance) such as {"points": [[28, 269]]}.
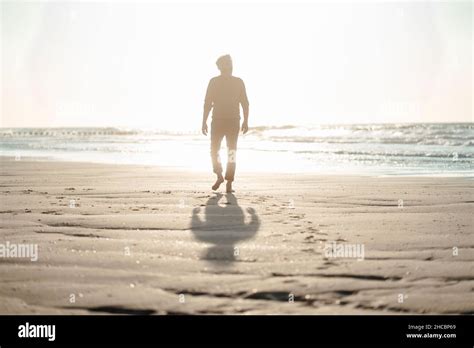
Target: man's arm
{"points": [[207, 108], [205, 115], [245, 107]]}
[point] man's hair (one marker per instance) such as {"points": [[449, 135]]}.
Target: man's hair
{"points": [[223, 61]]}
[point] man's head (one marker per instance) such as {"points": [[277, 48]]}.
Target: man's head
{"points": [[224, 63]]}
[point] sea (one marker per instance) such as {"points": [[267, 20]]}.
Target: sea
{"points": [[417, 149]]}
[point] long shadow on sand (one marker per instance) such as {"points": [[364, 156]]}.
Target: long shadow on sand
{"points": [[223, 226]]}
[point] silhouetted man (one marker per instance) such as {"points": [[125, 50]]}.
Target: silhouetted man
{"points": [[225, 94]]}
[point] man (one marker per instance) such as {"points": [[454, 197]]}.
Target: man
{"points": [[225, 94]]}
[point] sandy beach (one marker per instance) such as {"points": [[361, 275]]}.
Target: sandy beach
{"points": [[149, 240]]}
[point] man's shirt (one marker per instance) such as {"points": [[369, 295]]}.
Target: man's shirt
{"points": [[225, 94]]}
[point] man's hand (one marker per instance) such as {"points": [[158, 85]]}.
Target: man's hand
{"points": [[245, 127], [204, 128]]}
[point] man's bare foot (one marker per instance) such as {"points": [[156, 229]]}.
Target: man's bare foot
{"points": [[218, 183], [228, 188]]}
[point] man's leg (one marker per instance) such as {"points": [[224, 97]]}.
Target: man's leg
{"points": [[217, 134], [232, 135]]}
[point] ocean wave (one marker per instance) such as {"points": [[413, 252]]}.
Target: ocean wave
{"points": [[428, 147], [453, 134], [379, 140], [459, 134], [63, 132], [83, 132], [441, 155]]}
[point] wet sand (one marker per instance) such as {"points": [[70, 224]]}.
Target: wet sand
{"points": [[150, 240]]}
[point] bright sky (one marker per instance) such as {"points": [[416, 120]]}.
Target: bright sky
{"points": [[148, 65]]}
